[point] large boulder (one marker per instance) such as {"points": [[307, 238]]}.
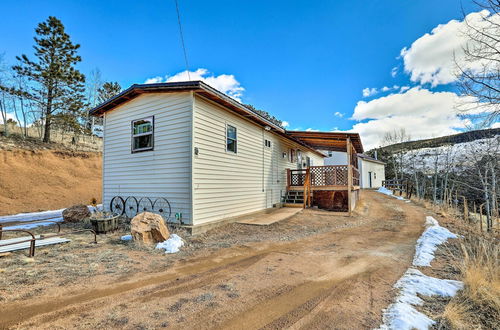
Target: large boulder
{"points": [[149, 228], [76, 213]]}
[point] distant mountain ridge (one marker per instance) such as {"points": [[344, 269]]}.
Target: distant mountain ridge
{"points": [[442, 141]]}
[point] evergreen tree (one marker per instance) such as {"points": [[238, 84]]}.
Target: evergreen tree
{"points": [[108, 90], [57, 85]]}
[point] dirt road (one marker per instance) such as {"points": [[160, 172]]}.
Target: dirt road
{"points": [[338, 279]]}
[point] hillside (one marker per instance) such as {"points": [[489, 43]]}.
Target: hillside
{"points": [[37, 177], [442, 141]]}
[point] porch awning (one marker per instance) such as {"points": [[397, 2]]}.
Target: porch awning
{"points": [[331, 141]]}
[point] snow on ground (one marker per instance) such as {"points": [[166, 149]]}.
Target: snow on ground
{"points": [[402, 314], [388, 192], [427, 244], [54, 215], [172, 244]]}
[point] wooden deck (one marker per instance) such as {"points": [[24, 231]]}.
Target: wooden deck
{"points": [[328, 186]]}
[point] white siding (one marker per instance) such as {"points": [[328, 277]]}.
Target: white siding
{"points": [[377, 170], [228, 184], [163, 172]]}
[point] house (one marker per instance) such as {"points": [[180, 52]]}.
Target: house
{"points": [[372, 170], [210, 156]]}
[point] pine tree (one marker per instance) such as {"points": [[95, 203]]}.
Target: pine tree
{"points": [[57, 85], [108, 90]]}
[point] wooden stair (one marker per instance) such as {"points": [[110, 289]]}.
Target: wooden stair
{"points": [[294, 198]]}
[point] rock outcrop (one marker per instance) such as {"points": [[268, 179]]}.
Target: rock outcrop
{"points": [[149, 228], [76, 213]]}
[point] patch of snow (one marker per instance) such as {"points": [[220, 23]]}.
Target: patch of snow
{"points": [[385, 191], [172, 244], [388, 192], [402, 315], [427, 244], [126, 238]]}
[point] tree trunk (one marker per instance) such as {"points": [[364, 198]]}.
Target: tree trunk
{"points": [[3, 111], [48, 119]]}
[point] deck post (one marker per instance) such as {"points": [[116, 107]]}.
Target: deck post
{"points": [[349, 176]]}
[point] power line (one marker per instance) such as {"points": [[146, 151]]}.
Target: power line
{"points": [[182, 38]]}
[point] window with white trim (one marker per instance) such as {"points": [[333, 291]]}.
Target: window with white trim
{"points": [[231, 139], [142, 134]]}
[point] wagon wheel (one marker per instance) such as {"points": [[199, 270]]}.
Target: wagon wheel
{"points": [[145, 205], [131, 207], [162, 207], [117, 205]]}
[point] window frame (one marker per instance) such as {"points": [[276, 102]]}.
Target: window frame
{"points": [[133, 136], [235, 139], [293, 156]]}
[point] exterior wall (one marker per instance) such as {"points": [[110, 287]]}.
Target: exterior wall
{"points": [[377, 170], [336, 158], [227, 184], [163, 172]]}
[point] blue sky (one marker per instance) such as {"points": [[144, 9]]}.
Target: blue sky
{"points": [[302, 61]]}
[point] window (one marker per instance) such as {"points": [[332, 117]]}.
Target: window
{"points": [[267, 143], [142, 134], [374, 175], [330, 153], [292, 156], [231, 140]]}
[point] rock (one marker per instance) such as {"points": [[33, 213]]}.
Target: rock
{"points": [[76, 213], [149, 228]]}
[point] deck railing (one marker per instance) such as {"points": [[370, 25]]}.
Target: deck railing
{"points": [[355, 176], [329, 175]]}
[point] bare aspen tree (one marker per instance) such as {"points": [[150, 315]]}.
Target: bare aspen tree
{"points": [[478, 70]]}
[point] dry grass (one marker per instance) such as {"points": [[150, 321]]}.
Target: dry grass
{"points": [[477, 306]]}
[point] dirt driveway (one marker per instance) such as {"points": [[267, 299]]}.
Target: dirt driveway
{"points": [[338, 276]]}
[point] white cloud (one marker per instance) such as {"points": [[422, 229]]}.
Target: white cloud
{"points": [[369, 92], [394, 71], [226, 83], [338, 114], [431, 58], [495, 125], [404, 89], [421, 112], [312, 130], [285, 124]]}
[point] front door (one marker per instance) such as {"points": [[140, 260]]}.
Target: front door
{"points": [[370, 179]]}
